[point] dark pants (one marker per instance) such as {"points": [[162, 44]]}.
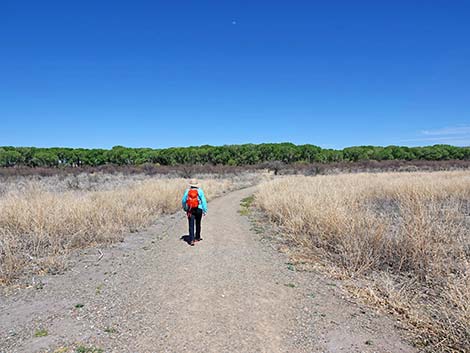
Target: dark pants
{"points": [[195, 215]]}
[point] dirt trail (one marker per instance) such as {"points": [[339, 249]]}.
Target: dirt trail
{"points": [[154, 293]]}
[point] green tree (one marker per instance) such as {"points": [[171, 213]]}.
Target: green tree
{"points": [[9, 158]]}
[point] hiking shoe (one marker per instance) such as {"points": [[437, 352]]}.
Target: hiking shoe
{"points": [[197, 240]]}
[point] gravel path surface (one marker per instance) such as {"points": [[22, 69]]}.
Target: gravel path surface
{"points": [[231, 292]]}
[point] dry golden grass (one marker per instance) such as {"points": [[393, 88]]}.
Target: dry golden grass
{"points": [[38, 226], [403, 238]]}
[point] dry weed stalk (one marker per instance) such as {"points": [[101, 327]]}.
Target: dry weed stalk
{"points": [[412, 228]]}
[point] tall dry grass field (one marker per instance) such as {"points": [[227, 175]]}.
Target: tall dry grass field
{"points": [[404, 239], [41, 222]]}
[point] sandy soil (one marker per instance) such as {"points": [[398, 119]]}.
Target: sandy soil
{"points": [[232, 292]]}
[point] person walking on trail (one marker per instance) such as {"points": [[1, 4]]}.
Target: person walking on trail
{"points": [[195, 204]]}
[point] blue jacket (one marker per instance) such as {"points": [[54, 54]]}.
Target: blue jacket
{"points": [[202, 200]]}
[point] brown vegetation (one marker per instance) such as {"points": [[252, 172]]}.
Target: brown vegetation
{"points": [[183, 171], [404, 239], [371, 166], [188, 170]]}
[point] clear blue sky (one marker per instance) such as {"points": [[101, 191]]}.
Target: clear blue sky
{"points": [[176, 73]]}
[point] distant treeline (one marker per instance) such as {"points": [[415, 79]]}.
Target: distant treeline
{"points": [[233, 155]]}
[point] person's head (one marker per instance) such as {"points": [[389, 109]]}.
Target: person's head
{"points": [[194, 183]]}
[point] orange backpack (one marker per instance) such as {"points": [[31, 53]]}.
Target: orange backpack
{"points": [[192, 201]]}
